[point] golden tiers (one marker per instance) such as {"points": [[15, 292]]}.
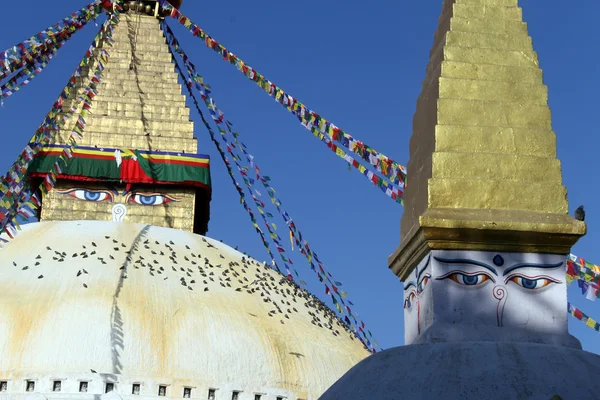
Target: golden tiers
{"points": [[483, 172]]}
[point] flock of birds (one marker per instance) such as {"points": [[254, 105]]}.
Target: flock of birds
{"points": [[199, 272]]}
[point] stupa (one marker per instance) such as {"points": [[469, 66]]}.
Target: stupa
{"points": [[115, 294], [485, 229]]}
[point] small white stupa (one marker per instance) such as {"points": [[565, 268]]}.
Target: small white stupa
{"points": [[485, 230]]}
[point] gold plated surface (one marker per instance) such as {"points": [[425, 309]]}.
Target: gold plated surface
{"points": [[139, 105], [483, 172]]}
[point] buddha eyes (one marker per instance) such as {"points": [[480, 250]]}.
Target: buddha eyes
{"points": [[99, 195], [531, 283], [149, 199], [468, 279], [89, 195], [480, 278]]}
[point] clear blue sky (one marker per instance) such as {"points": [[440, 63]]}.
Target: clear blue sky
{"points": [[360, 66]]}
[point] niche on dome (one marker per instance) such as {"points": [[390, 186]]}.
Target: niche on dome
{"points": [[56, 386], [212, 394], [235, 395], [109, 387], [83, 386], [135, 389], [3, 386], [258, 396], [162, 390], [187, 392], [29, 386]]}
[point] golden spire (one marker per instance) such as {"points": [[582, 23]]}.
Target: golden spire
{"points": [[139, 106], [483, 172]]}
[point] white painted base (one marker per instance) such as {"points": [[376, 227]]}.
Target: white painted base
{"points": [[472, 370]]}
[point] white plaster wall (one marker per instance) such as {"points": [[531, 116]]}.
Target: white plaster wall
{"points": [[491, 296], [153, 331]]}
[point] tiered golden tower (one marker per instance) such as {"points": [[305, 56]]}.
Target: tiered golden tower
{"points": [[139, 106], [483, 172]]}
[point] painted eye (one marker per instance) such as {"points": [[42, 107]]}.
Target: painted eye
{"points": [[468, 279], [409, 300], [150, 199], [89, 195], [424, 283], [532, 283]]}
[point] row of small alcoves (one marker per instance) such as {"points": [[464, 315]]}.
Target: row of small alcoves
{"points": [[57, 385]]}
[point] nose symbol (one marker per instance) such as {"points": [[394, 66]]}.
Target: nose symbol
{"points": [[119, 211]]}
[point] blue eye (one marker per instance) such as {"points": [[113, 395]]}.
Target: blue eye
{"points": [[150, 199], [409, 299], [468, 279], [423, 283], [147, 200], [532, 282], [89, 195]]}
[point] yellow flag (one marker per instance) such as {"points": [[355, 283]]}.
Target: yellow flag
{"points": [[591, 323]]}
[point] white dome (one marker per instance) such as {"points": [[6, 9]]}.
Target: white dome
{"points": [[136, 322]]}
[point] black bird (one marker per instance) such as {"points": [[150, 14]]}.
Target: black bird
{"points": [[85, 286], [40, 277], [24, 268], [94, 244], [79, 273], [580, 214], [38, 257], [93, 372]]}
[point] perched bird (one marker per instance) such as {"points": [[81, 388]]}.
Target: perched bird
{"points": [[93, 372], [580, 213], [40, 277], [85, 286]]}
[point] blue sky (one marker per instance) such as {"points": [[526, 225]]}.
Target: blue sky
{"points": [[361, 67]]}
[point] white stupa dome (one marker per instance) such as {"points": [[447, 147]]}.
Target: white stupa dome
{"points": [[162, 307]]}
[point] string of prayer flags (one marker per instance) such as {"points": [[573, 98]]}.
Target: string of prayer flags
{"points": [[580, 315], [14, 183], [578, 268], [26, 75], [227, 163], [231, 147], [194, 80], [23, 53], [583, 263], [308, 118]]}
